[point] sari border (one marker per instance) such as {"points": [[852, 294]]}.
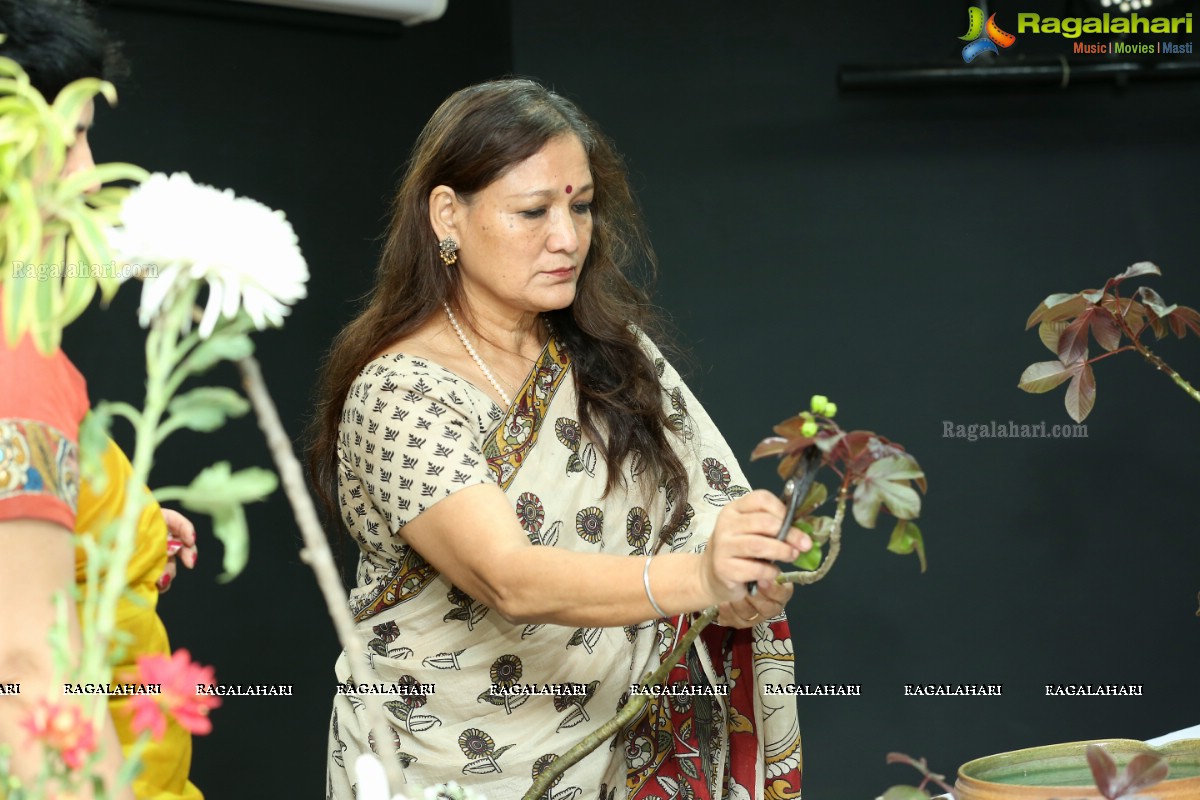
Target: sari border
{"points": [[510, 441]]}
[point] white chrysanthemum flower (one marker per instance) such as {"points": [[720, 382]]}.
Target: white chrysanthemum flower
{"points": [[180, 231]]}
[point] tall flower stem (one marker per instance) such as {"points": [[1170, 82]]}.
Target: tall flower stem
{"points": [[119, 542], [316, 552]]}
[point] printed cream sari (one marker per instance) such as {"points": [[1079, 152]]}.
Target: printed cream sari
{"points": [[472, 698]]}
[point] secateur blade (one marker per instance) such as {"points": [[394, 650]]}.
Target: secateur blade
{"points": [[794, 492]]}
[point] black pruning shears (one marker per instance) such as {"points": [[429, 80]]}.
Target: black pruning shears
{"points": [[794, 492]]}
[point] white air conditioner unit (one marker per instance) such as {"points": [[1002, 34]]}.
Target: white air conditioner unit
{"points": [[410, 12]]}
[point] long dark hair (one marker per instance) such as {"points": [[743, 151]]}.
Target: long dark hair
{"points": [[475, 136], [57, 42]]}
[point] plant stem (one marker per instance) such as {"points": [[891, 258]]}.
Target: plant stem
{"points": [[316, 552], [623, 717], [835, 547], [1162, 366]]}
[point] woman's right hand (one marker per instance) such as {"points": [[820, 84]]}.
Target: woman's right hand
{"points": [[743, 547]]}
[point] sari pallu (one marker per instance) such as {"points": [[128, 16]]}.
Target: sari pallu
{"points": [[488, 703]]}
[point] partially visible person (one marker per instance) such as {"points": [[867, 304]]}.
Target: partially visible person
{"points": [[43, 501], [537, 498]]}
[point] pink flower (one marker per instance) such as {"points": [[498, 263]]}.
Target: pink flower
{"points": [[62, 728], [181, 699]]}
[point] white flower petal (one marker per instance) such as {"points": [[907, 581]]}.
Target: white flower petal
{"points": [[372, 779], [206, 234]]}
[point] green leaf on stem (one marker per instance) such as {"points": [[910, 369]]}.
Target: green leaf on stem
{"points": [[222, 494], [811, 559], [205, 409], [886, 482], [219, 347], [1081, 393], [905, 793], [1045, 375], [906, 538]]}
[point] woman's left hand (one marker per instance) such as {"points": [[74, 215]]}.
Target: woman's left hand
{"points": [[767, 602], [181, 546]]}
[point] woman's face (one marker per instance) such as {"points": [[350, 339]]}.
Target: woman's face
{"points": [[523, 238]]}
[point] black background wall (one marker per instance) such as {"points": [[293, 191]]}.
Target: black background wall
{"points": [[881, 248]]}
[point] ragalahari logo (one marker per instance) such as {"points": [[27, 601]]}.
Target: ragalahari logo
{"points": [[983, 38]]}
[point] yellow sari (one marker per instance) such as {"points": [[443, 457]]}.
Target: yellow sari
{"points": [[165, 763]]}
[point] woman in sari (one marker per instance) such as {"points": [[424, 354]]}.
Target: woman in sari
{"points": [[539, 502]]}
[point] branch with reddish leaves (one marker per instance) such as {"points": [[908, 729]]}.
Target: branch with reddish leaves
{"points": [[918, 792], [878, 473], [1065, 321]]}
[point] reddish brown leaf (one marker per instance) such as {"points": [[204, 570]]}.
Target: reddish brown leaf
{"points": [[771, 446], [1055, 307], [1143, 771], [1081, 394], [1104, 769], [1189, 317], [790, 428], [1072, 345], [1106, 330], [787, 466], [1140, 268], [1050, 332], [1044, 376], [1158, 326], [1177, 326]]}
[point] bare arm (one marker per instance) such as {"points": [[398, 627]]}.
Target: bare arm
{"points": [[37, 559], [473, 538]]}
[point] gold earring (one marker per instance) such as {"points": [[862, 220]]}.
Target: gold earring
{"points": [[448, 250]]}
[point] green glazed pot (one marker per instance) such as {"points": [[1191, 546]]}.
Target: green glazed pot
{"points": [[1060, 772]]}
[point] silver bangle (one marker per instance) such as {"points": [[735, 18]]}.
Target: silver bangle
{"points": [[649, 595]]}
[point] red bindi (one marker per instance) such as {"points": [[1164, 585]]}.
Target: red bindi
{"points": [[569, 188]]}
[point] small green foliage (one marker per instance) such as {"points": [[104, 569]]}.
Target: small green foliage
{"points": [[223, 346], [54, 252], [205, 409], [906, 538], [818, 403], [223, 494]]}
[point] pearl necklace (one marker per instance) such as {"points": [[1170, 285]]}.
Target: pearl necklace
{"points": [[487, 373]]}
